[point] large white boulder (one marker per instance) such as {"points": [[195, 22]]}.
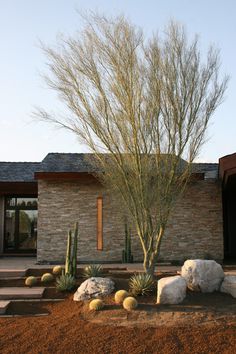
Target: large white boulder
{"points": [[229, 285], [202, 275], [94, 287], [171, 290]]}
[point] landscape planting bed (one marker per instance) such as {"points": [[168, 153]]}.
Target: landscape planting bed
{"points": [[70, 328], [203, 323]]}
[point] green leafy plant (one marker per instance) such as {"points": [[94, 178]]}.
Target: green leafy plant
{"points": [[141, 284], [130, 303], [92, 270], [71, 252], [65, 282]]}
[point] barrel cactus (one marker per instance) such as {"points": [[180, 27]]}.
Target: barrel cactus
{"points": [[47, 278], [96, 305], [57, 270], [130, 303], [120, 295], [30, 281]]}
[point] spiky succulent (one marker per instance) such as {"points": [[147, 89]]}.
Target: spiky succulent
{"points": [[65, 282], [47, 278], [120, 295], [57, 270], [96, 305], [92, 270], [30, 281], [141, 284], [130, 303]]}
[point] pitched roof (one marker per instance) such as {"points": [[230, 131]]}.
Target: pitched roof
{"points": [[68, 162], [18, 171]]}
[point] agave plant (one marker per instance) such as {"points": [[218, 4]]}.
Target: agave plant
{"points": [[141, 284], [65, 282], [92, 270]]}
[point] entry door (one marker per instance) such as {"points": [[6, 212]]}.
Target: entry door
{"points": [[20, 225]]}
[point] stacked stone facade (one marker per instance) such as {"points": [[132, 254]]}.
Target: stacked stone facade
{"points": [[194, 229]]}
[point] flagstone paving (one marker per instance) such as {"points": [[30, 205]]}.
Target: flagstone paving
{"points": [[3, 306], [8, 293]]}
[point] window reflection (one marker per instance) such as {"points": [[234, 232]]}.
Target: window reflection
{"points": [[21, 224]]}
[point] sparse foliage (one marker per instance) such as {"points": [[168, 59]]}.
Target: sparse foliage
{"points": [[65, 282], [92, 270], [141, 284], [142, 107]]}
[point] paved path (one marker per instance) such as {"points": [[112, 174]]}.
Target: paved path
{"points": [[3, 306], [23, 263], [8, 293]]}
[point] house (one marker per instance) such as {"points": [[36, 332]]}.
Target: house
{"points": [[39, 202]]}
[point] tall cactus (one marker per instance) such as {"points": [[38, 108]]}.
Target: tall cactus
{"points": [[74, 253], [71, 252], [68, 254], [127, 256]]}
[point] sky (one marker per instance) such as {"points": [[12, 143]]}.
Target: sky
{"points": [[23, 23]]}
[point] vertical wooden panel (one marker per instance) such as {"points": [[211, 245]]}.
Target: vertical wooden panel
{"points": [[99, 224]]}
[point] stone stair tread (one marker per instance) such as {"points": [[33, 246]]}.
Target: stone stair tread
{"points": [[3, 306], [12, 273], [21, 293]]}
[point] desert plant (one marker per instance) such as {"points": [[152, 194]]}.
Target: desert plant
{"points": [[130, 303], [120, 295], [30, 281], [127, 256], [96, 305], [145, 103], [65, 282], [71, 252], [47, 278], [57, 270], [92, 270], [141, 284]]}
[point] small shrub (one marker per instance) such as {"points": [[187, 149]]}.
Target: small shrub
{"points": [[30, 281], [130, 303], [120, 295], [96, 305], [141, 284], [57, 270], [92, 270], [65, 282], [47, 278]]}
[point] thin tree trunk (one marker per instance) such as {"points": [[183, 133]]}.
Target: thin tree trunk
{"points": [[149, 263]]}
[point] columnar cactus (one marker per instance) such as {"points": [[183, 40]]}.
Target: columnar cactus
{"points": [[71, 252], [127, 256]]}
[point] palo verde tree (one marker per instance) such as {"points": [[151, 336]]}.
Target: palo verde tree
{"points": [[142, 106]]}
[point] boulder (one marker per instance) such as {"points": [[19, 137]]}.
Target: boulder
{"points": [[202, 275], [94, 287], [171, 290], [229, 285]]}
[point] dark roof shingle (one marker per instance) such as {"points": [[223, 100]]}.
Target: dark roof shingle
{"points": [[18, 171], [71, 162]]}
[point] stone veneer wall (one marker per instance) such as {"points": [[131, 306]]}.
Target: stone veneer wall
{"points": [[1, 223], [194, 230]]}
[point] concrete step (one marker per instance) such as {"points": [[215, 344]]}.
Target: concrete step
{"points": [[3, 307], [21, 293], [12, 273]]}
